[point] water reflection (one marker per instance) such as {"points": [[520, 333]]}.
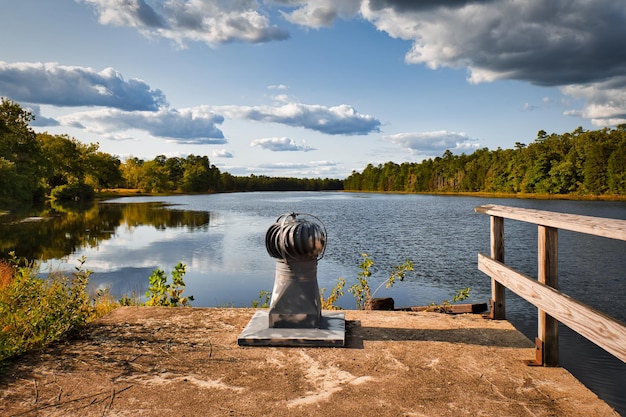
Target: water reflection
{"points": [[58, 231]]}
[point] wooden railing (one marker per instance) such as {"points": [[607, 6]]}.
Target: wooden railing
{"points": [[554, 307]]}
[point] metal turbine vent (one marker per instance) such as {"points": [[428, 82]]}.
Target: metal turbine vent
{"points": [[297, 243], [293, 238]]}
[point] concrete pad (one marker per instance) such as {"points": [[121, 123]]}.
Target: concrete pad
{"points": [[331, 332], [160, 361]]}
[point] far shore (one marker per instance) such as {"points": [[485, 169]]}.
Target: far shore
{"points": [[123, 192]]}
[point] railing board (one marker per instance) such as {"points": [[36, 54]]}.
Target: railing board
{"points": [[611, 228], [604, 331]]}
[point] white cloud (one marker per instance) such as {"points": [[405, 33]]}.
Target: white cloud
{"points": [[58, 85], [320, 13], [281, 144], [433, 143], [572, 44], [323, 169], [221, 153], [39, 120], [336, 120], [210, 21], [605, 102], [195, 125]]}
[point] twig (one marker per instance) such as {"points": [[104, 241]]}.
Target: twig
{"points": [[108, 406], [36, 391], [58, 404], [169, 354]]}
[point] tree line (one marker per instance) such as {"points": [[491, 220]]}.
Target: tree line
{"points": [[581, 162], [35, 166]]}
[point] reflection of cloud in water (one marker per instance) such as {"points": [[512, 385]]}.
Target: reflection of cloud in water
{"points": [[122, 281], [226, 263]]}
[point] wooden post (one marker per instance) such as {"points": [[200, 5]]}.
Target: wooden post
{"points": [[498, 302], [547, 326]]}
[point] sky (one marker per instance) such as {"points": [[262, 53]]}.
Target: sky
{"points": [[313, 88]]}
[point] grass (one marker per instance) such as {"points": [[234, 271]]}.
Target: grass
{"points": [[36, 311]]}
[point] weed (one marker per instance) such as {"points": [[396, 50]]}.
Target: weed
{"points": [[104, 302], [160, 293], [362, 291], [132, 300], [263, 301], [459, 295], [335, 293]]}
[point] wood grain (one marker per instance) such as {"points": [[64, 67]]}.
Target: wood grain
{"points": [[604, 331], [597, 226]]}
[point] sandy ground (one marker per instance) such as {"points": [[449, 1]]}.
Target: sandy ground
{"points": [[148, 361]]}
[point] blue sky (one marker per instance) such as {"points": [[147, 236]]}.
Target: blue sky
{"points": [[313, 88]]}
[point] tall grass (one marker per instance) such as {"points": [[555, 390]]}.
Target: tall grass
{"points": [[35, 311]]}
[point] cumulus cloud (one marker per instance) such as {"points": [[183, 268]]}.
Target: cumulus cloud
{"points": [[336, 120], [210, 21], [280, 144], [40, 120], [194, 125], [320, 13], [605, 102], [433, 143], [58, 85], [546, 43], [573, 44], [300, 169], [221, 153]]}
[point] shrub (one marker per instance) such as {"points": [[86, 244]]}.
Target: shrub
{"points": [[160, 293], [362, 291], [73, 192], [36, 311]]}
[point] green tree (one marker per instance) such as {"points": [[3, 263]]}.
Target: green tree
{"points": [[64, 159], [131, 171], [20, 154], [154, 177], [200, 175], [103, 170]]}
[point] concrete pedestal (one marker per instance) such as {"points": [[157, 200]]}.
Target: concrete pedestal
{"points": [[331, 332]]}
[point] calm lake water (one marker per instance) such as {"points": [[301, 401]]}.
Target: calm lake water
{"points": [[221, 239]]}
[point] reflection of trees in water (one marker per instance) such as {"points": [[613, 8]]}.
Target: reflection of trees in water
{"points": [[57, 231]]}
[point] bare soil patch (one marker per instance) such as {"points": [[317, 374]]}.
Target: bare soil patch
{"points": [[150, 361]]}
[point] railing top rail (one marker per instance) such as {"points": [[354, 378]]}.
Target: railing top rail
{"points": [[598, 226]]}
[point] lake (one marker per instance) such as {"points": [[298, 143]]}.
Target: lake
{"points": [[221, 239]]}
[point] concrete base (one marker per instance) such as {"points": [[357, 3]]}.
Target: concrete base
{"points": [[331, 332]]}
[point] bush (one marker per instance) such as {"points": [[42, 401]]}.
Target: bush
{"points": [[36, 311], [160, 293], [73, 192]]}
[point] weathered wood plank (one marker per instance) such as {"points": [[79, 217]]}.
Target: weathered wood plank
{"points": [[611, 228], [604, 331], [547, 261], [498, 294]]}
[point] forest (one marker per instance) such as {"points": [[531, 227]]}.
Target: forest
{"points": [[577, 163], [37, 166]]}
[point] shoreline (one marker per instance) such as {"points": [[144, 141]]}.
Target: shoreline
{"points": [[119, 193]]}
